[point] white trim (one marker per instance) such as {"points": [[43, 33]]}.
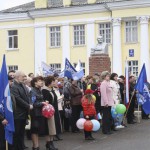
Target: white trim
{"points": [[117, 52], [39, 47], [17, 26], [68, 11], [56, 23], [13, 17], [144, 44], [65, 44], [90, 42], [128, 4], [85, 9]]}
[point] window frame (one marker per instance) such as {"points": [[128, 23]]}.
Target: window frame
{"points": [[131, 31], [136, 67], [12, 67], [55, 68], [83, 36], [105, 38], [55, 32], [13, 41]]}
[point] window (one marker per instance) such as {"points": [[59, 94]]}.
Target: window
{"points": [[13, 68], [12, 39], [79, 35], [131, 31], [82, 66], [105, 31], [54, 36], [133, 67], [56, 67]]}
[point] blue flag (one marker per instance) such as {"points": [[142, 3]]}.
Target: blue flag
{"points": [[78, 75], [143, 95], [6, 103], [141, 80], [69, 69]]}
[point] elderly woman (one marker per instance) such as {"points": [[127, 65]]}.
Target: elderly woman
{"points": [[106, 102]]}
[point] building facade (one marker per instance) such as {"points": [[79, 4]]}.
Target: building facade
{"points": [[52, 30]]}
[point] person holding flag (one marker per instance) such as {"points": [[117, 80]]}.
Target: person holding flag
{"points": [[3, 122], [132, 97], [6, 110], [143, 95]]}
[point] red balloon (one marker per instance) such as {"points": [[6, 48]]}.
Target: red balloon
{"points": [[48, 111], [88, 125]]}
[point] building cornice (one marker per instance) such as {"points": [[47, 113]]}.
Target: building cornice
{"points": [[86, 9], [4, 17], [129, 4], [68, 11]]}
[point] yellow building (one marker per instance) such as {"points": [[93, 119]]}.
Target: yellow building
{"points": [[52, 30]]}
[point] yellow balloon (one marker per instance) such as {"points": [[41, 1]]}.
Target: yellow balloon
{"points": [[89, 86], [94, 98]]}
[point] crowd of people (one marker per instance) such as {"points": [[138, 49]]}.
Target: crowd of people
{"points": [[70, 99]]}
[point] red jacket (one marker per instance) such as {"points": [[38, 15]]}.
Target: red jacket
{"points": [[88, 109]]}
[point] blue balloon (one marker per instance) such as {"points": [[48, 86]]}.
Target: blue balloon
{"points": [[119, 118], [96, 125], [113, 112]]}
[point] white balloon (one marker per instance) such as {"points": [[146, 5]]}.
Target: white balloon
{"points": [[96, 125], [80, 123]]}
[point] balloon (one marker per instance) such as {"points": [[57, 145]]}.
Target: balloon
{"points": [[80, 123], [96, 125], [119, 118], [48, 111], [88, 125], [120, 109], [113, 112], [94, 98]]}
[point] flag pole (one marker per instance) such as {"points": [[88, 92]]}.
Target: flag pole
{"points": [[6, 145], [128, 106], [139, 120]]}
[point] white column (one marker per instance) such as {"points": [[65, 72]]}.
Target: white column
{"points": [[144, 44], [65, 43], [117, 52], [39, 47], [90, 41]]}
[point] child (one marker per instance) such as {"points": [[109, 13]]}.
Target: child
{"points": [[89, 111]]}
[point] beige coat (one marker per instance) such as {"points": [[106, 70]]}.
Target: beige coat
{"points": [[116, 91]]}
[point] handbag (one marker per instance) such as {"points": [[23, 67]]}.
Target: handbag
{"points": [[28, 124]]}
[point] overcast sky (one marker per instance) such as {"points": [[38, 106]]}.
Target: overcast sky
{"points": [[4, 4]]}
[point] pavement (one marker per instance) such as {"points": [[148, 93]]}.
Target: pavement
{"points": [[133, 137]]}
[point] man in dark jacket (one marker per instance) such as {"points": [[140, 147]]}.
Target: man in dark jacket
{"points": [[22, 109], [132, 96]]}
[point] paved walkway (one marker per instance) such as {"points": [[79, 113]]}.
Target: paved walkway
{"points": [[134, 137]]}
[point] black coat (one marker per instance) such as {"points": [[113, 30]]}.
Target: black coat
{"points": [[37, 99], [94, 87], [50, 95], [22, 101], [122, 92]]}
